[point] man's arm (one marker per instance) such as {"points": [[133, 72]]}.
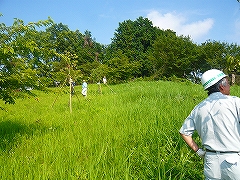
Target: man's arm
{"points": [[190, 142], [193, 145]]}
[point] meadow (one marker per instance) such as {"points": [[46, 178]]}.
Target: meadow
{"points": [[129, 131]]}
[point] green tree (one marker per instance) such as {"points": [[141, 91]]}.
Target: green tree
{"points": [[81, 48], [134, 37], [215, 54], [99, 72], [18, 47], [117, 69], [173, 55], [233, 59], [135, 40]]}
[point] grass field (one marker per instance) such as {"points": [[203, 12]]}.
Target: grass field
{"points": [[130, 131]]}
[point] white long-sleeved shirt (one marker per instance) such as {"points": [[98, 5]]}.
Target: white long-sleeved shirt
{"points": [[217, 121]]}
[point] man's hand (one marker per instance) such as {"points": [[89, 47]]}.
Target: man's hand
{"points": [[200, 152]]}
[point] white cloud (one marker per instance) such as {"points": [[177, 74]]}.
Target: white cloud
{"points": [[178, 23]]}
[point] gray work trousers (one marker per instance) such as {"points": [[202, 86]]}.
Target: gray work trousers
{"points": [[222, 166]]}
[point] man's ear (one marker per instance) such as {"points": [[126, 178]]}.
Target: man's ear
{"points": [[221, 88]]}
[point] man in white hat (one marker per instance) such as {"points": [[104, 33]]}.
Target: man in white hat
{"points": [[217, 121]]}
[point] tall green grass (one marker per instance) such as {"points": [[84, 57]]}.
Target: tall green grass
{"points": [[130, 131]]}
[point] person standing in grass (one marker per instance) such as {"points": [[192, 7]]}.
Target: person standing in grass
{"points": [[84, 88], [104, 80], [217, 121]]}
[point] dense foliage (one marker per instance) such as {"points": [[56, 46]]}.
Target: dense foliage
{"points": [[44, 54]]}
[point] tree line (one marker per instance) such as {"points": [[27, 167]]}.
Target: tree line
{"points": [[44, 53]]}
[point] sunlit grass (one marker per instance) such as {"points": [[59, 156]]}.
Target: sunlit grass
{"points": [[130, 131]]}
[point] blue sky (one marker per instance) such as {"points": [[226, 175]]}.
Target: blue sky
{"points": [[200, 19]]}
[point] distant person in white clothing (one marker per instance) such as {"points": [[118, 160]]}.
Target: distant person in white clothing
{"points": [[84, 88], [104, 80], [217, 121]]}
